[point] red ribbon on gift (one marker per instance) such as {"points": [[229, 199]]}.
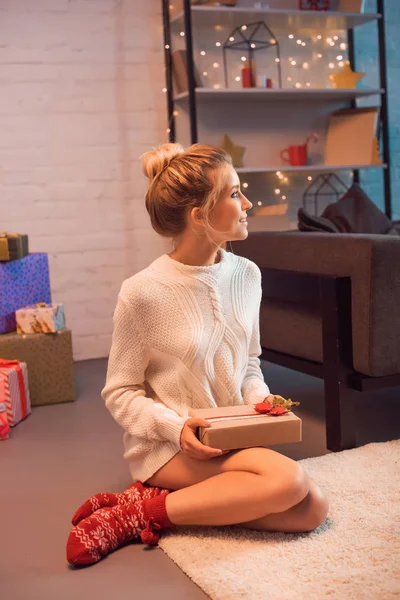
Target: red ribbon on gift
{"points": [[21, 383]]}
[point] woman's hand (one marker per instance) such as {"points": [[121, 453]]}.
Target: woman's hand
{"points": [[192, 446]]}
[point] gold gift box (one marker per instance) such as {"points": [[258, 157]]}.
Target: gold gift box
{"points": [[13, 246], [50, 364], [235, 427]]}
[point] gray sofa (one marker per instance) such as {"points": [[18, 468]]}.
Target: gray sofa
{"points": [[331, 308]]}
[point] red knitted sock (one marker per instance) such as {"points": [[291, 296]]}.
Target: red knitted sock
{"points": [[156, 517], [109, 528], [135, 491]]}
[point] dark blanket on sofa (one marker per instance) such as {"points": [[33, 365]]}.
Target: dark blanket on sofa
{"points": [[353, 213]]}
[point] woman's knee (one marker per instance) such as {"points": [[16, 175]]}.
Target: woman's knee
{"points": [[285, 478], [318, 509]]}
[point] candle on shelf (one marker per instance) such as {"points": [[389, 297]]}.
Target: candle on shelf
{"points": [[247, 75]]}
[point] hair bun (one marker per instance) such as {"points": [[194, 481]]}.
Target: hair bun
{"points": [[156, 160]]}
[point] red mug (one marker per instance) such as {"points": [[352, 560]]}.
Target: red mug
{"points": [[295, 155]]}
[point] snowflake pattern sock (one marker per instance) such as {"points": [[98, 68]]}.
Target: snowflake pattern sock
{"points": [[135, 491], [109, 528]]}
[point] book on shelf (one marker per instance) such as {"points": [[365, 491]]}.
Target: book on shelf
{"points": [[351, 137], [180, 72]]}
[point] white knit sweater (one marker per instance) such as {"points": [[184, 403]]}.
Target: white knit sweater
{"points": [[184, 337]]}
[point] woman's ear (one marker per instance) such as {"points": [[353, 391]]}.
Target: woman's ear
{"points": [[195, 214]]}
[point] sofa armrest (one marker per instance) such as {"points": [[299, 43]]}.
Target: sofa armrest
{"points": [[373, 264]]}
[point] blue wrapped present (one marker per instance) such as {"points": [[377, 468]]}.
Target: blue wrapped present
{"points": [[22, 282]]}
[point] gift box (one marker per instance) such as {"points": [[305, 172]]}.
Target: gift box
{"points": [[40, 318], [22, 283], [50, 364], [13, 246], [14, 390], [234, 427]]}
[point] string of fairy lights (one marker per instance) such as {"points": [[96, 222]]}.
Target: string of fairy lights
{"points": [[305, 55]]}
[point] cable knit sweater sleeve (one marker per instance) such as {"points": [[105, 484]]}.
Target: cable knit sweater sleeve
{"points": [[124, 392], [254, 388]]}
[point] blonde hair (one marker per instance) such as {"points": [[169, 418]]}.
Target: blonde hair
{"points": [[181, 179]]}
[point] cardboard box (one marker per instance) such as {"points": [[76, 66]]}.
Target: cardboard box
{"points": [[13, 246], [46, 318], [351, 137], [179, 70], [22, 282], [14, 390], [234, 427], [50, 364]]}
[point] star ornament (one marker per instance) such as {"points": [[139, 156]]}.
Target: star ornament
{"points": [[236, 152], [346, 78]]}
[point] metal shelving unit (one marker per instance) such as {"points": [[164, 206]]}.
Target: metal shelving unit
{"points": [[280, 20]]}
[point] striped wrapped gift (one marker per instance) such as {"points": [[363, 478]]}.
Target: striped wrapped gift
{"points": [[14, 390]]}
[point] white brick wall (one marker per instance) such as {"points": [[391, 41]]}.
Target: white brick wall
{"points": [[80, 100]]}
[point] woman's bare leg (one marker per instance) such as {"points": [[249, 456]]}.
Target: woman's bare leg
{"points": [[240, 488]]}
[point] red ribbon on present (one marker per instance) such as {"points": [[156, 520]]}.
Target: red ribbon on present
{"points": [[21, 382]]}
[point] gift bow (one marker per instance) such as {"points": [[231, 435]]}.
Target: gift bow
{"points": [[8, 364]]}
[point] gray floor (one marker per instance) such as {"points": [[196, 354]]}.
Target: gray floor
{"points": [[62, 454]]}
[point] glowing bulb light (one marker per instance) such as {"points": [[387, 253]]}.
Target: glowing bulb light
{"points": [[166, 46], [243, 58], [309, 178], [290, 36], [339, 57], [218, 44], [245, 185], [298, 85], [294, 63], [202, 53], [277, 60], [215, 65], [164, 90], [277, 191], [259, 203], [319, 37], [298, 42], [283, 197], [205, 74], [231, 39], [303, 43], [244, 27], [343, 46], [305, 65], [331, 66], [319, 55], [182, 34], [237, 78]]}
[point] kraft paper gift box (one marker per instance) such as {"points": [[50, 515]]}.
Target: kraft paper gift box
{"points": [[22, 282], [235, 427], [40, 318], [14, 390], [50, 364], [13, 246]]}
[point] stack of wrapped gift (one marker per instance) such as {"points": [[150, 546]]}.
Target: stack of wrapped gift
{"points": [[43, 342], [14, 394]]}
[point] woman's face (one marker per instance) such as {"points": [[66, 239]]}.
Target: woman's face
{"points": [[228, 218]]}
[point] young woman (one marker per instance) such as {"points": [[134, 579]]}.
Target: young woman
{"points": [[186, 336]]}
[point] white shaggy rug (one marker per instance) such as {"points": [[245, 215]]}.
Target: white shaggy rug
{"points": [[354, 555]]}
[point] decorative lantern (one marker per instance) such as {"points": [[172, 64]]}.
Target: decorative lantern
{"points": [[248, 39], [314, 4]]}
